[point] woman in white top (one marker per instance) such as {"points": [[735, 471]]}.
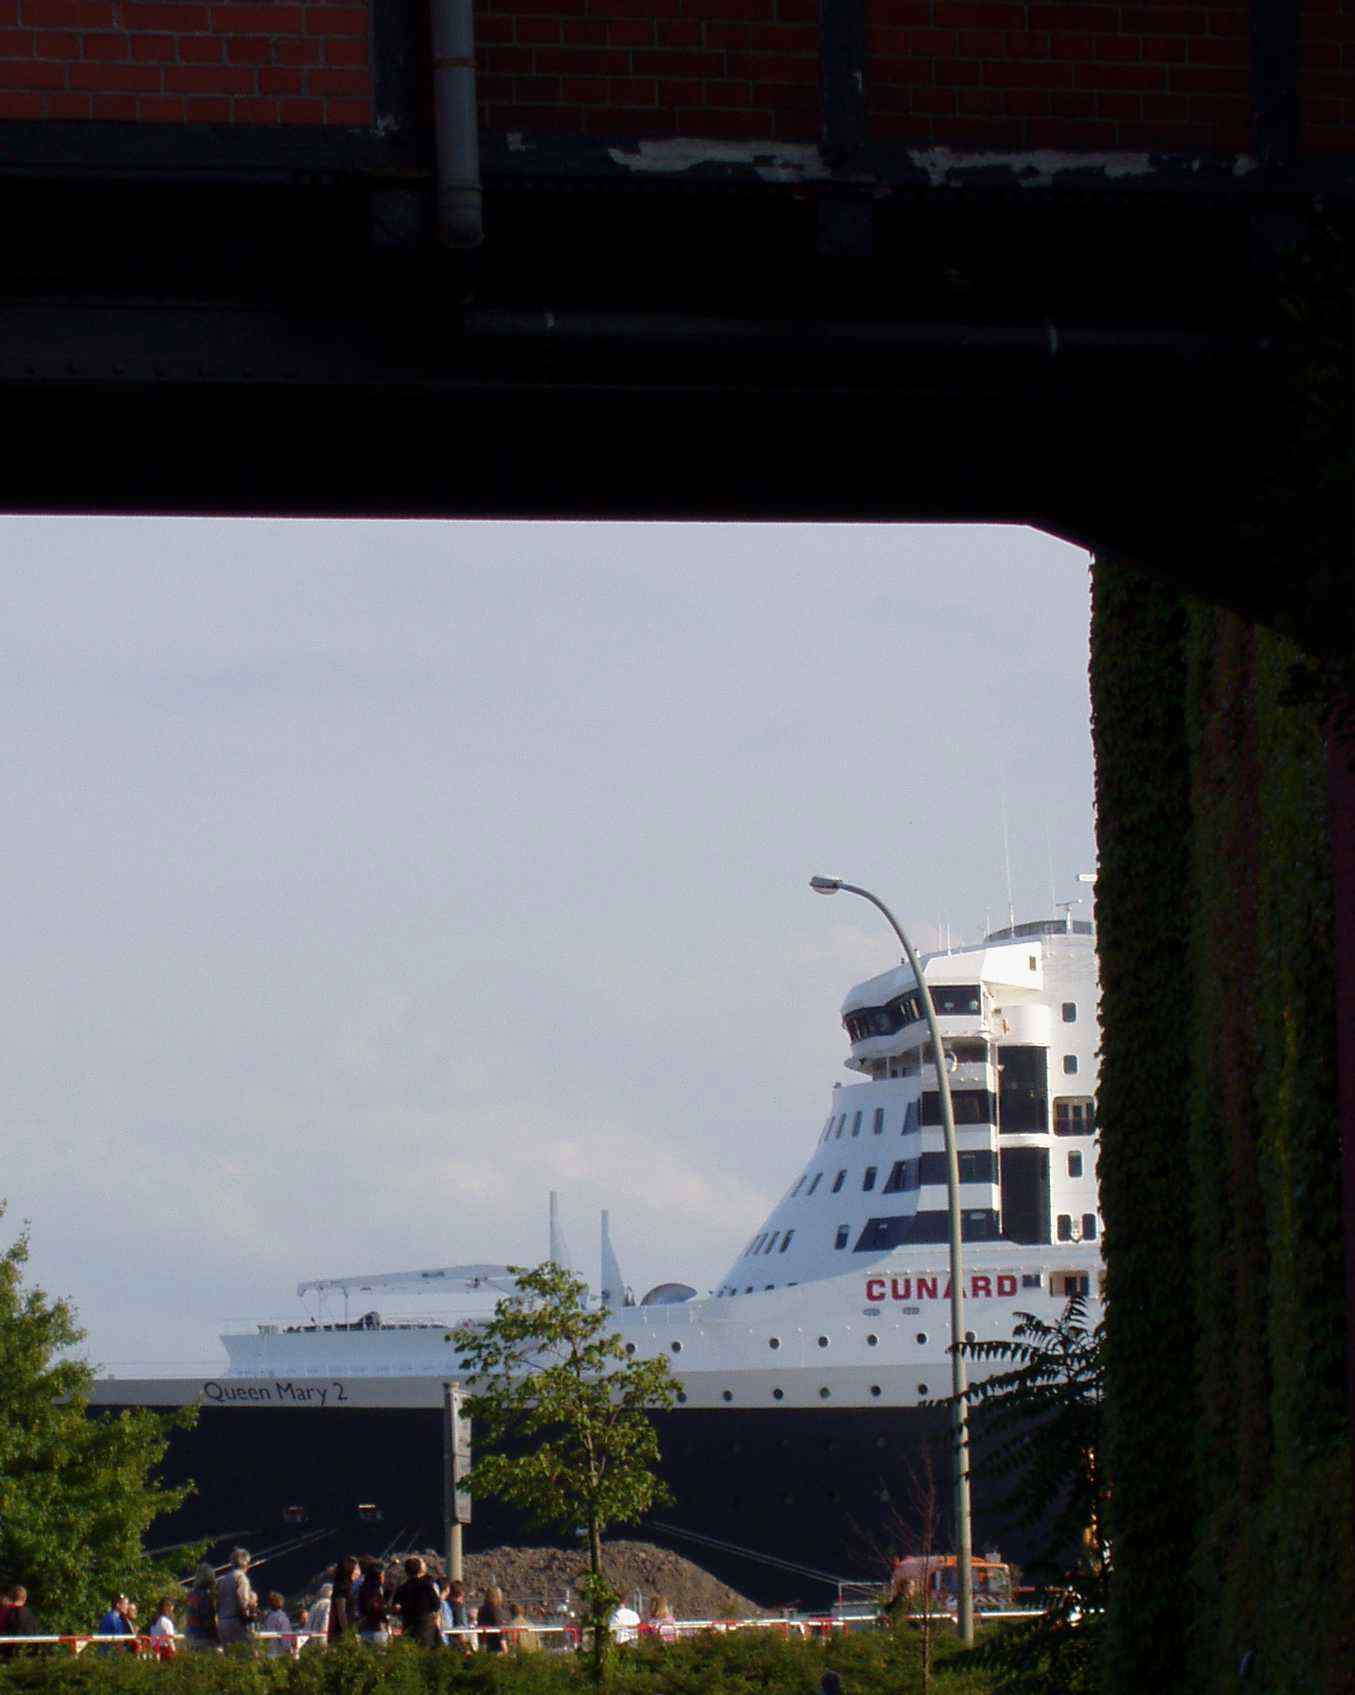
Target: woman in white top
{"points": [[317, 1619], [162, 1628]]}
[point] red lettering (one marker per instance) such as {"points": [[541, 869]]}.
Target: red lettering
{"points": [[900, 1293], [926, 1288], [983, 1285], [1006, 1283], [875, 1289]]}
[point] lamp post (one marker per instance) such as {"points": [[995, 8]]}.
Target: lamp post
{"points": [[964, 1550]]}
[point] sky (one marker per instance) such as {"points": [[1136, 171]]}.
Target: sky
{"points": [[367, 881]]}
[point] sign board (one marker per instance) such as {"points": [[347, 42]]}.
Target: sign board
{"points": [[456, 1452]]}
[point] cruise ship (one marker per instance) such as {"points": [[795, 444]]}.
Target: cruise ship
{"points": [[807, 1437]]}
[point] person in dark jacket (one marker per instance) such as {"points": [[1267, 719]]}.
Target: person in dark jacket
{"points": [[418, 1603], [342, 1600], [493, 1613], [373, 1611]]}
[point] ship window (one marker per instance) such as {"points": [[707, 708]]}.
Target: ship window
{"points": [[726, 1394], [856, 1125], [682, 1398], [818, 1178], [1069, 1064], [875, 1390], [748, 1289], [968, 1106], [778, 1394], [773, 1342], [823, 1396], [1030, 961], [1089, 1227], [868, 1181], [897, 1177], [872, 1341], [1074, 1115], [843, 1231], [841, 1125], [1070, 1012], [879, 1121], [676, 1347], [800, 1185], [757, 1244], [630, 1346], [1065, 1227], [785, 1240], [823, 1341], [1031, 1280], [956, 1000], [839, 1180], [922, 1338], [922, 1389], [1075, 1165], [827, 1128], [771, 1242]]}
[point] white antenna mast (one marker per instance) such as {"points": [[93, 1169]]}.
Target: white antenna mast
{"points": [[1007, 861]]}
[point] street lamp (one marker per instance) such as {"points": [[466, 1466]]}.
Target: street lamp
{"points": [[964, 1551]]}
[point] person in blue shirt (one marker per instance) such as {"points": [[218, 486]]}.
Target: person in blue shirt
{"points": [[115, 1621]]}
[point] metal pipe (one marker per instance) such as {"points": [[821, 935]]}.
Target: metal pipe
{"points": [[456, 125], [964, 1539]]}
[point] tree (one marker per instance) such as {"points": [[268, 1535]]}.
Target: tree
{"points": [[76, 1496], [559, 1387], [1040, 1423]]}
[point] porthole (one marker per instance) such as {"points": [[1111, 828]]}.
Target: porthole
{"points": [[922, 1389], [875, 1390], [921, 1336], [824, 1394], [682, 1398], [726, 1394], [778, 1394], [773, 1342], [630, 1347], [880, 1442], [969, 1335], [823, 1341], [677, 1346], [872, 1340]]}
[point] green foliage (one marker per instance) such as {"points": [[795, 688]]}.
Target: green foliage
{"points": [[749, 1662], [75, 1494], [553, 1379]]}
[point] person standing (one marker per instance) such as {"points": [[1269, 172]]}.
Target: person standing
{"points": [[200, 1632], [317, 1619], [237, 1606], [162, 1631], [373, 1613], [491, 1618], [115, 1621], [342, 1601], [418, 1603], [278, 1626]]}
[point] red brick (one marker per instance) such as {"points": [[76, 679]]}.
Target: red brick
{"points": [[630, 32], [955, 73], [584, 62], [958, 14], [1165, 108], [1319, 138], [292, 51], [1122, 76], [1323, 111], [255, 111], [727, 35], [1029, 73], [934, 43], [772, 67], [1072, 47], [633, 91], [1221, 108], [907, 73], [354, 114], [273, 81], [1062, 132], [1028, 102], [155, 49], [54, 14], [507, 60], [538, 90], [680, 33], [1154, 20], [537, 118], [264, 20], [1159, 49], [677, 93], [346, 50], [1067, 103], [492, 26], [1221, 50], [202, 49], [9, 13], [1199, 80], [980, 102], [338, 82], [882, 97], [532, 30], [681, 64], [105, 49], [882, 43], [207, 109], [208, 79], [1026, 44], [628, 8], [557, 8], [339, 20], [980, 44], [243, 49], [1099, 18], [38, 73], [119, 107], [1185, 137], [1321, 55], [886, 12], [750, 11], [621, 121], [301, 111], [798, 11], [938, 101], [783, 38], [898, 126], [585, 32], [68, 105], [1234, 22], [726, 93], [159, 109], [18, 44], [721, 124], [56, 44], [1117, 48], [1119, 106], [487, 88], [584, 91], [178, 19], [21, 105], [787, 97], [798, 126]]}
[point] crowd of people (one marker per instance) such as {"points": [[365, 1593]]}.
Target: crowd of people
{"points": [[365, 1599]]}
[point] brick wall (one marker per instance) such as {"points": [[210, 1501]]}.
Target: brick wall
{"points": [[186, 61], [1327, 74]]}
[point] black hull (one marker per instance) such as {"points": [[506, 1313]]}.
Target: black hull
{"points": [[836, 1490]]}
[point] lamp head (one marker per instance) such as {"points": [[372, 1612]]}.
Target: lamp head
{"points": [[825, 885]]}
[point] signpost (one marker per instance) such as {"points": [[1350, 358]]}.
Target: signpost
{"points": [[455, 1468]]}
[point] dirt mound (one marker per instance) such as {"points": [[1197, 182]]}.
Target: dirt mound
{"points": [[542, 1578]]}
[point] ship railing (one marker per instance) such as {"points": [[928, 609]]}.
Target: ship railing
{"points": [[291, 1324]]}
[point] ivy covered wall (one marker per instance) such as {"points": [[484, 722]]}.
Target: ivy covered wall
{"points": [[1227, 1423]]}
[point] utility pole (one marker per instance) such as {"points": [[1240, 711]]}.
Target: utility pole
{"points": [[455, 1467]]}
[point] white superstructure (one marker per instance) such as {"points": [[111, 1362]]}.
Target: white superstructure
{"points": [[841, 1295]]}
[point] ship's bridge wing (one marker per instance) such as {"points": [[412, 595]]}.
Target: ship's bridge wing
{"points": [[463, 1277]]}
